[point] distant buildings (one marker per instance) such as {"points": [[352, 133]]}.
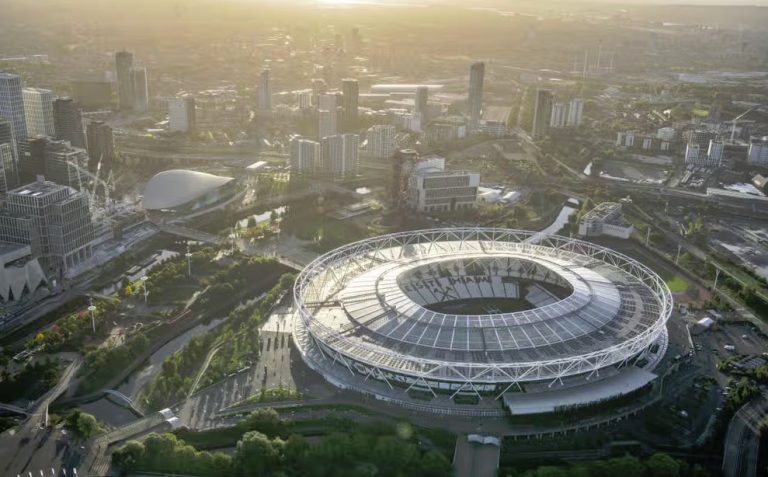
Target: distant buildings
{"points": [[444, 130], [644, 142], [403, 163], [541, 113], [181, 113], [9, 174], [329, 114], [558, 117], [605, 219], [92, 95], [433, 189], [264, 92], [12, 107], [339, 155], [304, 156], [381, 141], [334, 156], [757, 154], [566, 114], [68, 121], [66, 165], [38, 112], [140, 89], [496, 120], [421, 102], [666, 134], [54, 220], [575, 112], [704, 149], [125, 88], [6, 136], [350, 104], [101, 147], [132, 84], [475, 99]]}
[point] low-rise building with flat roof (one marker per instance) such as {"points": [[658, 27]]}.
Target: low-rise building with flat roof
{"points": [[605, 219]]}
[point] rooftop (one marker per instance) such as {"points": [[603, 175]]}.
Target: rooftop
{"points": [[177, 187]]}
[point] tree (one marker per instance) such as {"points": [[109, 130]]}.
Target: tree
{"points": [[551, 471], [662, 465], [627, 466], [84, 425], [434, 464], [256, 455], [128, 458], [265, 420]]}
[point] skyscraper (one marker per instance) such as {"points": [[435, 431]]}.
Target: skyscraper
{"points": [[66, 165], [140, 89], [304, 156], [68, 121], [420, 103], [340, 155], [264, 98], [125, 88], [475, 100], [101, 147], [328, 122], [541, 113], [351, 93], [381, 141], [575, 112], [38, 111], [329, 101], [318, 88], [9, 177], [12, 107], [54, 220], [558, 116], [6, 133], [181, 113], [31, 159]]}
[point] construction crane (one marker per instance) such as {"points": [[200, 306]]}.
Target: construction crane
{"points": [[736, 119], [107, 185]]}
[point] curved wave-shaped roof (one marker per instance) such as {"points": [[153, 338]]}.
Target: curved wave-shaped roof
{"points": [[176, 187]]}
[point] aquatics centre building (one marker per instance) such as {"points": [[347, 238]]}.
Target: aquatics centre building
{"points": [[542, 323]]}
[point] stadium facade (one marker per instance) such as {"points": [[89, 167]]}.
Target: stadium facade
{"points": [[491, 313]]}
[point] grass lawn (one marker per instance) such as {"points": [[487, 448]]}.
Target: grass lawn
{"points": [[677, 284]]}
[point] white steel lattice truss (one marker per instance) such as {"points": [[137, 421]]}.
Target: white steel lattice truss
{"points": [[320, 283]]}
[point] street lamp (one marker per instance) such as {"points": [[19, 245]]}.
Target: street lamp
{"points": [[189, 261], [92, 309], [144, 286]]}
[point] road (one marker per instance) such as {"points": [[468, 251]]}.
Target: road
{"points": [[475, 460], [273, 370], [34, 447], [742, 441]]}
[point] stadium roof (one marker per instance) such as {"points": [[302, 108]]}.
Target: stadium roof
{"points": [[176, 187], [628, 380], [373, 301]]}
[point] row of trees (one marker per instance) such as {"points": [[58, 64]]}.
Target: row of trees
{"points": [[171, 273], [239, 340], [240, 277], [658, 465], [70, 332], [102, 364], [256, 454], [29, 383], [178, 370], [241, 334]]}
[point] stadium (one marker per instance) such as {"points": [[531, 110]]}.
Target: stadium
{"points": [[438, 318]]}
